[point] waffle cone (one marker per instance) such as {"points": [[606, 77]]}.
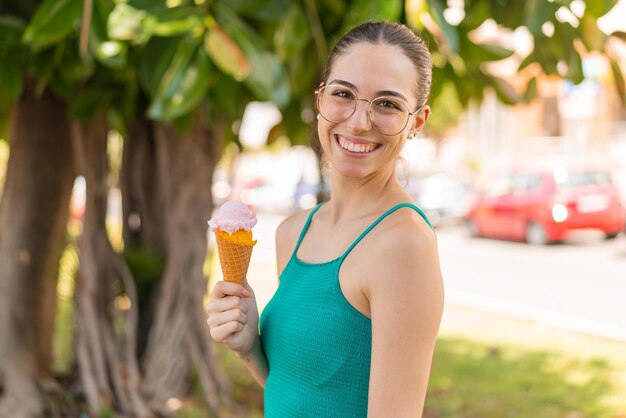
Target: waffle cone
{"points": [[234, 259]]}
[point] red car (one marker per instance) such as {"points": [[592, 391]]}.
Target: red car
{"points": [[542, 206]]}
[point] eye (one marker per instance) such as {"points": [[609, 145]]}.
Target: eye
{"points": [[389, 104], [342, 93]]}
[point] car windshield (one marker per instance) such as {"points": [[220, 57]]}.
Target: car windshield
{"points": [[585, 178]]}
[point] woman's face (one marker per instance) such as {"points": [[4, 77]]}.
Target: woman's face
{"points": [[354, 147]]}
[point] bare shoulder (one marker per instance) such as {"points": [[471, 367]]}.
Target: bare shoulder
{"points": [[289, 229], [406, 234], [287, 235], [406, 255]]}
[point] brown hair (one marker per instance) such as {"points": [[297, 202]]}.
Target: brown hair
{"points": [[394, 34]]}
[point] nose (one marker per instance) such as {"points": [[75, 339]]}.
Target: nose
{"points": [[360, 119]]}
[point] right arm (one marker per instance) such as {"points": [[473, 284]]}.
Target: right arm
{"points": [[234, 322], [233, 315]]}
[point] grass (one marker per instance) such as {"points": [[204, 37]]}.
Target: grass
{"points": [[471, 379]]}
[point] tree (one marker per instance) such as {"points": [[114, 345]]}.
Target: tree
{"points": [[172, 78]]}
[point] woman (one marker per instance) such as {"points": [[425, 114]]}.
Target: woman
{"points": [[351, 329]]}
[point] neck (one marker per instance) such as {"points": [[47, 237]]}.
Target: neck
{"points": [[360, 197]]}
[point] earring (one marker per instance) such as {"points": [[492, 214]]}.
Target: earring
{"points": [[318, 116]]}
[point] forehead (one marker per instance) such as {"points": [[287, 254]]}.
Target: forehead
{"points": [[376, 67]]}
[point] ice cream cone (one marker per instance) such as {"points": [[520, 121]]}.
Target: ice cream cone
{"points": [[234, 258], [233, 232]]}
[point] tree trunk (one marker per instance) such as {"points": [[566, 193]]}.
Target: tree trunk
{"points": [[179, 337], [33, 217], [105, 332], [143, 219]]}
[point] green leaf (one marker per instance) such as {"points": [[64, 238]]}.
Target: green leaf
{"points": [[184, 84], [154, 62], [475, 15], [302, 74], [479, 53], [510, 13], [72, 69], [10, 80], [111, 53], [90, 102], [126, 23], [53, 21], [530, 59], [11, 29], [575, 68], [183, 123], [450, 32], [267, 79], [232, 97], [292, 33], [5, 119], [537, 13], [531, 90], [597, 8], [260, 9], [294, 127], [174, 21], [505, 91], [366, 10], [619, 80], [592, 36], [413, 10], [225, 53]]}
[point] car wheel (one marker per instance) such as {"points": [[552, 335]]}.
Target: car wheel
{"points": [[472, 228], [611, 235], [536, 234]]}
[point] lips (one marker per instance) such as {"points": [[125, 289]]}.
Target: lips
{"points": [[356, 147]]}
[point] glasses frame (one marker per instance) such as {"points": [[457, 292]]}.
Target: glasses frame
{"points": [[369, 108]]}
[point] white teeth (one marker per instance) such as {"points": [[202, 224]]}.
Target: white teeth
{"points": [[352, 147]]}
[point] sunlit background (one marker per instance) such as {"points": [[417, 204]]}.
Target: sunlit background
{"points": [[528, 202]]}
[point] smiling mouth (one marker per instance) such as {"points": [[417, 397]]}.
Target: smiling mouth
{"points": [[356, 148]]}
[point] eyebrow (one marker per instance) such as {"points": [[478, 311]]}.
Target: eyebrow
{"points": [[378, 93]]}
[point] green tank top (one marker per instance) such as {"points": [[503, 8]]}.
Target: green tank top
{"points": [[318, 346]]}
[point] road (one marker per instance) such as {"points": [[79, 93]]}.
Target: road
{"points": [[579, 285]]}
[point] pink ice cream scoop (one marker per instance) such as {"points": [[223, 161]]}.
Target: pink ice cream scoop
{"points": [[232, 216]]}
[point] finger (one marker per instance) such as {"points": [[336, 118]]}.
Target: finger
{"points": [[222, 318], [222, 332], [226, 304], [223, 289]]}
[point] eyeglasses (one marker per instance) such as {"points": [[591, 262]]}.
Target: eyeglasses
{"points": [[388, 115]]}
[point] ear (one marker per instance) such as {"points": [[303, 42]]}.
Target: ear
{"points": [[420, 119]]}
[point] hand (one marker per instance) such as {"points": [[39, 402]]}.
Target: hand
{"points": [[233, 316]]}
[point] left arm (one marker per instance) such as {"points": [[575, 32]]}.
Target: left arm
{"points": [[406, 301]]}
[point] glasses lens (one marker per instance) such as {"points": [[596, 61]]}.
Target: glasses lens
{"points": [[389, 115], [336, 103]]}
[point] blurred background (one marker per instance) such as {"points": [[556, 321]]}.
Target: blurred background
{"points": [[124, 124]]}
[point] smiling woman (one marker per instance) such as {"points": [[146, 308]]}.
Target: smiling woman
{"points": [[351, 329]]}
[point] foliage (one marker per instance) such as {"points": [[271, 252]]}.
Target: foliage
{"points": [[171, 59]]}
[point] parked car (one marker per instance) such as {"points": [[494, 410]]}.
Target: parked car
{"points": [[442, 196], [541, 206]]}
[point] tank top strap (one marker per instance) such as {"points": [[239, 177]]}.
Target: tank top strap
{"points": [[306, 227], [380, 218]]}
